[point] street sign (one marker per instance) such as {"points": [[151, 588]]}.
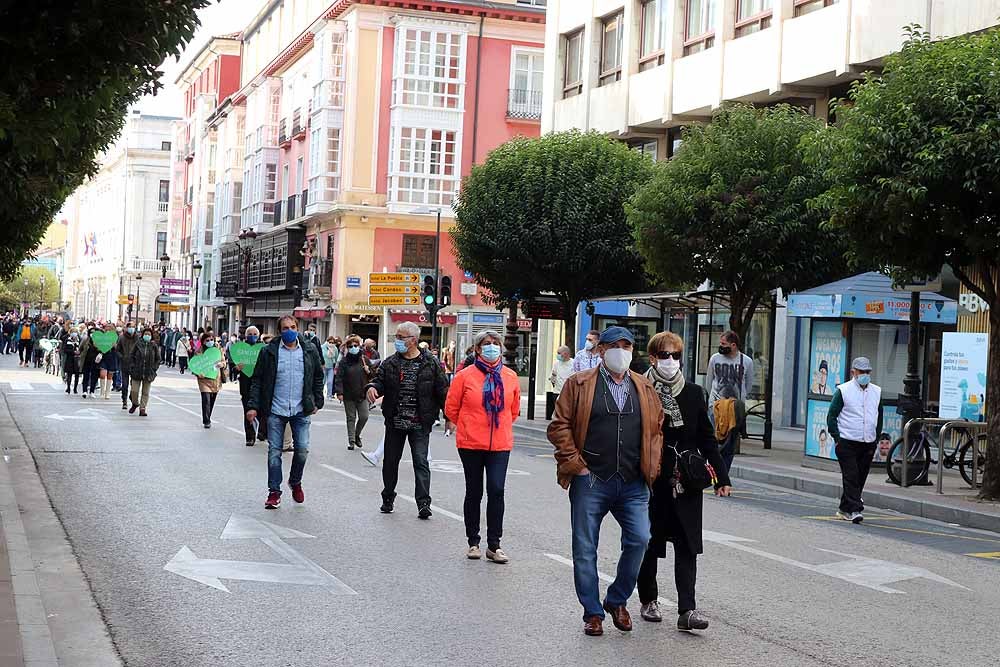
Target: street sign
{"points": [[175, 282], [174, 290], [394, 278], [468, 275], [393, 300], [170, 307], [543, 307], [393, 289], [468, 289], [125, 299], [354, 281]]}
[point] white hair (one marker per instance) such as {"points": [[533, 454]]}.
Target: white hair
{"points": [[408, 329], [246, 332], [488, 333]]}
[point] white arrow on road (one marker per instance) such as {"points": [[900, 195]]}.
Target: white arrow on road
{"points": [[299, 570], [85, 413], [867, 572]]}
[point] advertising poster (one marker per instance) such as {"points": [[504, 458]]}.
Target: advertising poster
{"points": [[828, 358], [814, 305], [872, 307], [963, 376], [818, 440], [892, 424]]}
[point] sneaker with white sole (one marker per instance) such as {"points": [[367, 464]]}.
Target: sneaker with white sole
{"points": [[857, 517], [846, 516], [371, 458], [474, 553], [497, 556]]}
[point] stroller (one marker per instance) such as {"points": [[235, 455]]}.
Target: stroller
{"points": [[53, 359]]}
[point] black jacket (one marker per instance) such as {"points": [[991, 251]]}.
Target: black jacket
{"points": [[680, 518], [266, 373], [432, 387], [144, 361], [352, 374]]}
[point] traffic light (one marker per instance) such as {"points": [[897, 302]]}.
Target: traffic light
{"points": [[445, 290], [430, 293]]}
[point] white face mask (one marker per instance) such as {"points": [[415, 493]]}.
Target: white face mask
{"points": [[668, 367], [589, 345], [617, 359]]}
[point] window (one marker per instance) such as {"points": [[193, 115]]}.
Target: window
{"points": [[425, 167], [653, 38], [644, 145], [164, 145], [573, 63], [803, 7], [299, 174], [161, 244], [525, 99], [419, 251], [430, 74], [163, 201], [699, 25], [532, 3], [752, 16], [611, 49]]}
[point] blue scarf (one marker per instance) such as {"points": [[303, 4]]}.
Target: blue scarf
{"points": [[492, 389]]}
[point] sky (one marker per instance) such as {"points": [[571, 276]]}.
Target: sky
{"points": [[219, 18]]}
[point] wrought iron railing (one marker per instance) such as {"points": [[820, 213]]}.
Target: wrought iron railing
{"points": [[524, 104]]}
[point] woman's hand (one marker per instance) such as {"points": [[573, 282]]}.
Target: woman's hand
{"points": [[724, 491], [372, 394]]}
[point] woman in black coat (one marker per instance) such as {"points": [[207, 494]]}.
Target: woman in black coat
{"points": [[676, 517]]}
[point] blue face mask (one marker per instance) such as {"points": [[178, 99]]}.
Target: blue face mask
{"points": [[400, 346], [209, 343], [863, 380], [252, 339], [147, 338], [491, 352], [289, 336], [130, 330], [355, 350]]}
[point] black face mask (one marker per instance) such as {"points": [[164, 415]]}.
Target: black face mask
{"points": [[725, 350]]}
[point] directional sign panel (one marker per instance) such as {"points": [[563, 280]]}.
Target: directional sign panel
{"points": [[393, 289], [393, 278], [393, 301]]}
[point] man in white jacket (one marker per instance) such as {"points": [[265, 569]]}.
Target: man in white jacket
{"points": [[855, 422]]}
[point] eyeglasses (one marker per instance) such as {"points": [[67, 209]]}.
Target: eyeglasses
{"points": [[398, 337], [663, 354]]}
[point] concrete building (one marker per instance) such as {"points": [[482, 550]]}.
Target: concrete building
{"points": [[116, 224]]}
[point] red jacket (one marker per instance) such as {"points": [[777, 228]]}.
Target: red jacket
{"points": [[464, 407]]}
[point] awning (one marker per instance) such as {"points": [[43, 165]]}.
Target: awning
{"points": [[693, 301], [421, 317]]}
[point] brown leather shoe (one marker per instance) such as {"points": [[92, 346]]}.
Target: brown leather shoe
{"points": [[620, 617], [593, 626]]}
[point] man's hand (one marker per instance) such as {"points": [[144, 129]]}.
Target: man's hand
{"points": [[583, 473], [724, 491], [251, 415], [372, 394]]}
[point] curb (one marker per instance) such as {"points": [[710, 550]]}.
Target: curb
{"points": [[913, 506]]}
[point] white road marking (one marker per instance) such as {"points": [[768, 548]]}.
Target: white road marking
{"points": [[21, 386], [298, 570], [439, 510], [604, 577], [869, 573], [344, 473], [196, 414]]}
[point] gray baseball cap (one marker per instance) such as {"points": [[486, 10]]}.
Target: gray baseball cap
{"points": [[862, 364]]}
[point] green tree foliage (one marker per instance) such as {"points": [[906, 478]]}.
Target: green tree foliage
{"points": [[13, 291], [914, 163], [70, 71], [732, 207], [548, 215]]}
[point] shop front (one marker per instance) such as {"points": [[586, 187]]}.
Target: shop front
{"points": [[862, 317]]}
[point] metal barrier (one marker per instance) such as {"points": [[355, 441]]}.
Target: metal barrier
{"points": [[969, 426], [919, 421]]}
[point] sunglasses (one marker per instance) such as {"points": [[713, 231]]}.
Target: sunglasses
{"points": [[663, 354]]}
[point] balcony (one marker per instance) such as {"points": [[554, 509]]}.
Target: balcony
{"points": [[298, 126], [284, 140], [277, 212], [189, 152], [291, 205], [162, 207], [304, 199], [141, 265], [524, 104]]}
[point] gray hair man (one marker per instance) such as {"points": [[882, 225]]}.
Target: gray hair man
{"points": [[414, 388], [561, 370], [252, 336]]}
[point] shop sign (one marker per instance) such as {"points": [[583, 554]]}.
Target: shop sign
{"points": [[443, 319], [354, 308], [963, 376]]}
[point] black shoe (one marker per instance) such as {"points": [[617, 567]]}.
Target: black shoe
{"points": [[386, 507], [207, 425], [250, 443], [424, 512], [691, 620], [350, 448]]}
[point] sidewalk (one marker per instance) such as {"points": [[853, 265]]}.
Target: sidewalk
{"points": [[782, 465]]}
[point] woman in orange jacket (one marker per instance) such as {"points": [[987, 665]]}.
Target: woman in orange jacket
{"points": [[483, 401]]}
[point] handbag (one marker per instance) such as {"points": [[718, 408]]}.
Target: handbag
{"points": [[692, 472]]}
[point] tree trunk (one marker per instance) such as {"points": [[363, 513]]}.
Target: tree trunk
{"points": [[991, 476], [569, 320]]}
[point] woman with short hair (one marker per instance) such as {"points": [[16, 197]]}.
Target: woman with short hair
{"points": [[675, 512], [483, 402], [352, 375], [210, 387]]}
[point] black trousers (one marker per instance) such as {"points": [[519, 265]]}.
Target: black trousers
{"points": [[855, 459], [171, 357], [207, 405], [476, 462], [24, 348], [685, 576], [248, 429], [395, 441], [91, 373], [72, 379], [125, 383]]}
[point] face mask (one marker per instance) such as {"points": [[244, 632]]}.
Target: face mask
{"points": [[400, 346], [147, 338], [724, 349], [119, 329], [617, 359], [668, 367], [589, 345], [209, 343], [289, 336], [251, 339], [130, 330], [863, 380], [491, 352], [354, 350]]}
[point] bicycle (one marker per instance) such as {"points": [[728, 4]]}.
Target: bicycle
{"points": [[919, 459]]}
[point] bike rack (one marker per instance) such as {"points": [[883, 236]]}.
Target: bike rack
{"points": [[965, 425], [918, 421]]}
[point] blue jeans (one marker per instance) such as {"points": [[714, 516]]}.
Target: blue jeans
{"points": [[329, 381], [590, 501], [275, 438]]}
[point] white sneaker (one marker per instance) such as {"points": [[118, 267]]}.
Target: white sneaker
{"points": [[371, 458], [846, 516], [857, 517]]}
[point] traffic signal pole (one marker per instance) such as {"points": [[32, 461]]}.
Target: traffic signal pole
{"points": [[437, 282]]}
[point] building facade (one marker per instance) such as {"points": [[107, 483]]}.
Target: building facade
{"points": [[116, 224]]}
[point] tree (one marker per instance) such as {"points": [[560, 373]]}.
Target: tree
{"points": [[548, 215], [732, 207], [913, 162], [71, 70], [13, 292]]}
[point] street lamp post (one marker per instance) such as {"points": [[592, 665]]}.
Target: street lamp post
{"points": [[121, 290], [196, 269], [245, 243], [138, 291], [27, 309], [164, 263]]}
